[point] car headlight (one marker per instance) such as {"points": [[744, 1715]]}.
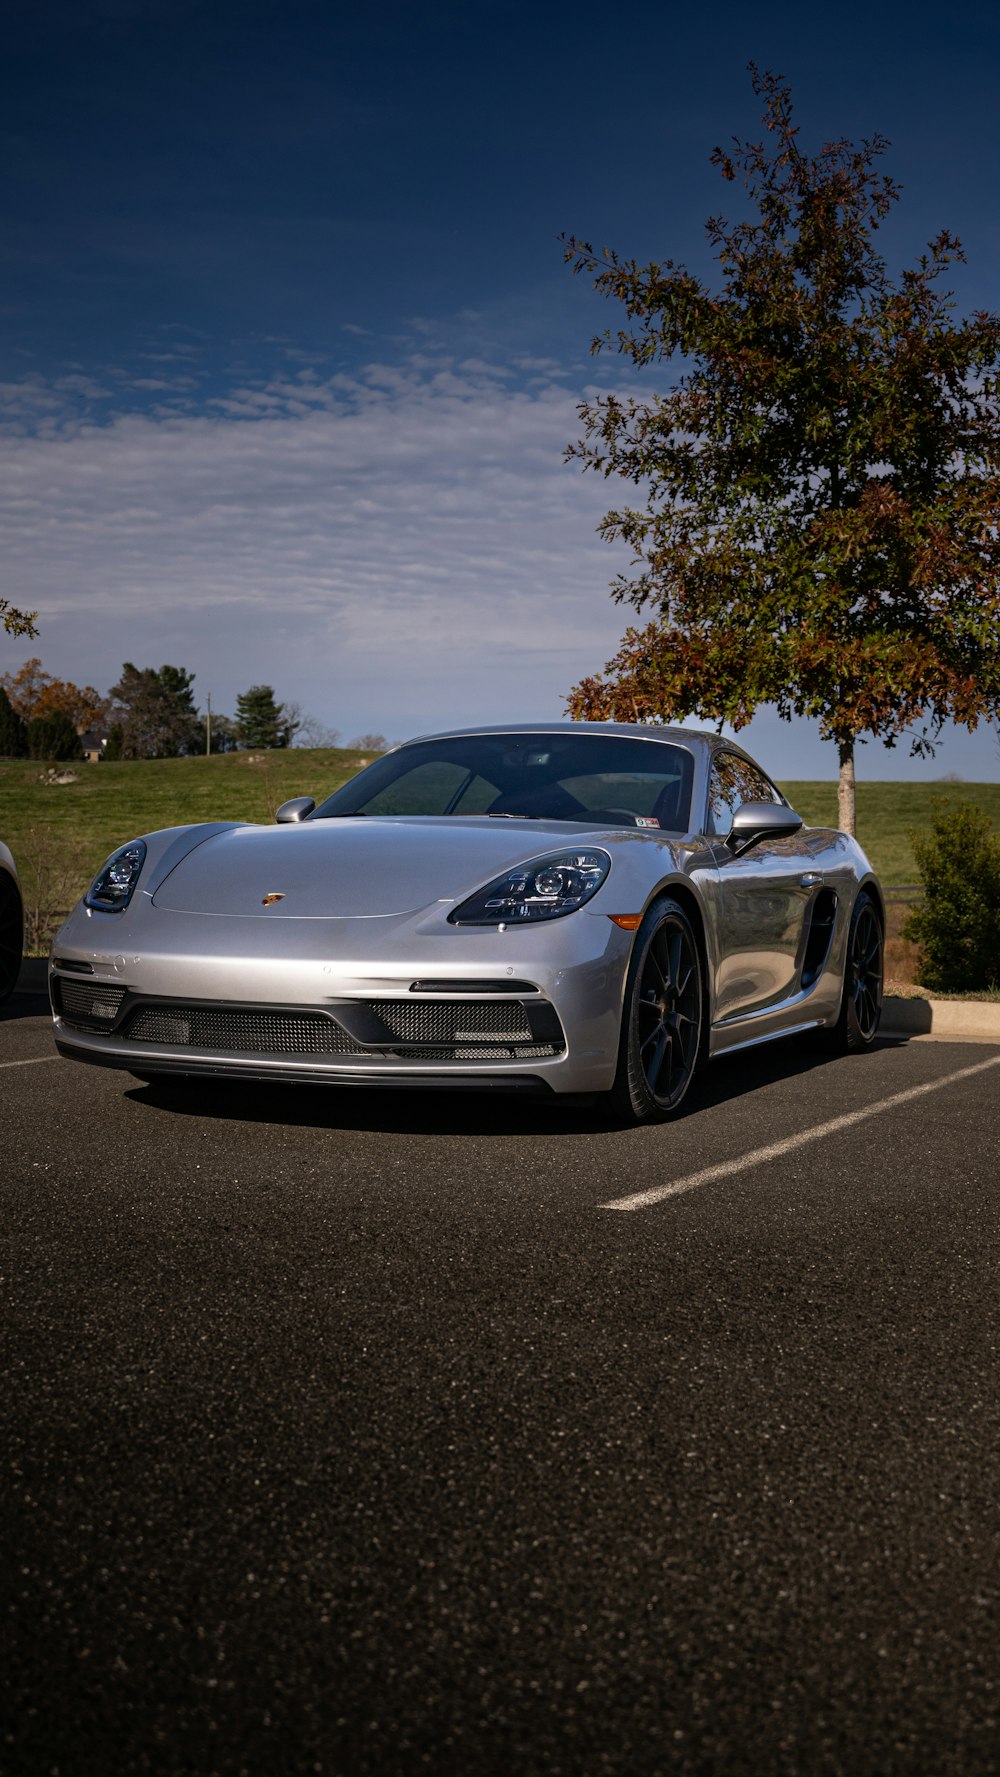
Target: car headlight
{"points": [[546, 888], [111, 889]]}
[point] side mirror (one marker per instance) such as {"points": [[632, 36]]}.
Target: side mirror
{"points": [[296, 810], [755, 821]]}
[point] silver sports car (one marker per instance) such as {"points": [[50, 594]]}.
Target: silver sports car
{"points": [[570, 907]]}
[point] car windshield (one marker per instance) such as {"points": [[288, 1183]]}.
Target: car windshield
{"points": [[610, 779]]}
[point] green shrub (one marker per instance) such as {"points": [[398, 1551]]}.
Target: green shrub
{"points": [[957, 923]]}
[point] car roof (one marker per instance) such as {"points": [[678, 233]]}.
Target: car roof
{"points": [[630, 730]]}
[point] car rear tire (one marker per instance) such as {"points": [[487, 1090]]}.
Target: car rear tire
{"points": [[861, 1004], [663, 1018]]}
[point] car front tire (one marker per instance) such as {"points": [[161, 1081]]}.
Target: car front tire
{"points": [[663, 1017]]}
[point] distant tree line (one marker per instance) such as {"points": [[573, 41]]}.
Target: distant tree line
{"points": [[153, 714], [149, 714], [42, 717]]}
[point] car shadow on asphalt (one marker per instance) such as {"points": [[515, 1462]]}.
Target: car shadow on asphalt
{"points": [[399, 1112]]}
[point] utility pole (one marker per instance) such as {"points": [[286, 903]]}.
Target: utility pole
{"points": [[208, 727]]}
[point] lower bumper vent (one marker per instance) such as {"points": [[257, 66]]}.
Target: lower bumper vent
{"points": [[468, 1021], [256, 1033]]}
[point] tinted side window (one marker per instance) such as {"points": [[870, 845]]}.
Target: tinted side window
{"points": [[734, 781]]}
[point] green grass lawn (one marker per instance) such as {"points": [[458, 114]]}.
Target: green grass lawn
{"points": [[888, 814], [60, 834]]}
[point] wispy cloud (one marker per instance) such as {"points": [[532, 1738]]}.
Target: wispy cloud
{"points": [[85, 386], [397, 548], [163, 384], [32, 400]]}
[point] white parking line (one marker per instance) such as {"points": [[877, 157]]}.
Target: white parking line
{"points": [[729, 1168], [33, 1061]]}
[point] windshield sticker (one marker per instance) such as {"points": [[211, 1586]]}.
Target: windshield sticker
{"points": [[646, 820]]}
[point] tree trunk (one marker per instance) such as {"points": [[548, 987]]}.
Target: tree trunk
{"points": [[845, 788]]}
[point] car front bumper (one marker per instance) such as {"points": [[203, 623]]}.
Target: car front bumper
{"points": [[336, 971]]}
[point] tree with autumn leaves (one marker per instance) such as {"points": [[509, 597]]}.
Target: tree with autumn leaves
{"points": [[34, 693], [819, 488]]}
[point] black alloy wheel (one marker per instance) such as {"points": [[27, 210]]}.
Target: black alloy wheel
{"points": [[663, 1017], [11, 936], [861, 1006]]}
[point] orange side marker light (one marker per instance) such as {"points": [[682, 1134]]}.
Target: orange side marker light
{"points": [[629, 922]]}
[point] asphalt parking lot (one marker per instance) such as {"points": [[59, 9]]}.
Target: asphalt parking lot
{"points": [[383, 1434]]}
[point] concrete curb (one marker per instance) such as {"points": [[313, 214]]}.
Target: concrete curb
{"points": [[956, 1021]]}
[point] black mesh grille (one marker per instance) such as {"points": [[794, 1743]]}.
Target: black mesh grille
{"points": [[255, 1033], [89, 1002], [429, 1031], [462, 1021]]}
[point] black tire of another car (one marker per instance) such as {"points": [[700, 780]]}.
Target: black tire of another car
{"points": [[663, 1017], [11, 936]]}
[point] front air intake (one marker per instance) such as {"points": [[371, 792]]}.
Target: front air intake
{"points": [[92, 1005], [249, 1031], [468, 1021]]}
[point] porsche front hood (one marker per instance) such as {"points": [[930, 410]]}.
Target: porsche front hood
{"points": [[352, 868]]}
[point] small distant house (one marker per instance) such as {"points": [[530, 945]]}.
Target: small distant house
{"points": [[93, 741]]}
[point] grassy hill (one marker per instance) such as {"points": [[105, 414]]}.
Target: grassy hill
{"points": [[61, 833], [888, 813]]}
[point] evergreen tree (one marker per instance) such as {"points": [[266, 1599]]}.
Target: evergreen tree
{"points": [[53, 737], [13, 736], [261, 722], [154, 708]]}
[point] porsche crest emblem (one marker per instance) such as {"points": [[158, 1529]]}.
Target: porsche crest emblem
{"points": [[269, 900]]}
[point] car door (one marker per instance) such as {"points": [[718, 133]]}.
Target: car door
{"points": [[763, 897]]}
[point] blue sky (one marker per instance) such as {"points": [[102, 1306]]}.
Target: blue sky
{"points": [[289, 356]]}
